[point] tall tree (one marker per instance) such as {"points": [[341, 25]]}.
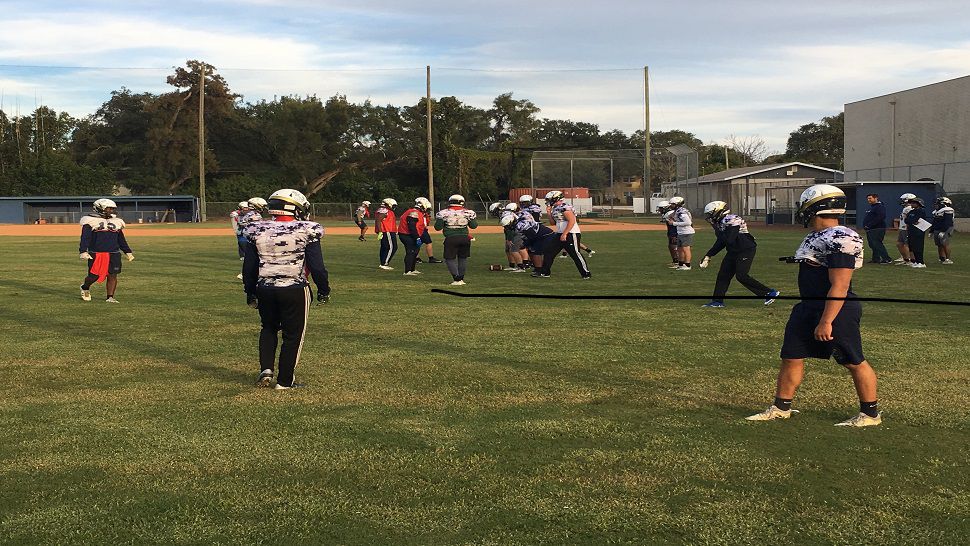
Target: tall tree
{"points": [[512, 121], [820, 143]]}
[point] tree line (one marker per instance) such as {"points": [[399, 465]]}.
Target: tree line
{"points": [[331, 149]]}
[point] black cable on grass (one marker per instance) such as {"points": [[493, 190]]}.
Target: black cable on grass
{"points": [[687, 297]]}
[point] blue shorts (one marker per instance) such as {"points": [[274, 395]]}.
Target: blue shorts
{"points": [[800, 342]]}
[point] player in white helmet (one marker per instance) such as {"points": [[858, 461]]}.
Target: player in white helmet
{"points": [[820, 327], [732, 234], [902, 239], [102, 242], [943, 228], [681, 218], [385, 226], [567, 226], [665, 211], [241, 209], [425, 239], [917, 222], [279, 255], [454, 222], [360, 215]]}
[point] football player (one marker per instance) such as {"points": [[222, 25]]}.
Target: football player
{"points": [[680, 217], [414, 222], [102, 242], [567, 227], [731, 232], [665, 212], [827, 327], [385, 226], [279, 253], [454, 222], [535, 236], [943, 228], [241, 209], [363, 211], [902, 239]]}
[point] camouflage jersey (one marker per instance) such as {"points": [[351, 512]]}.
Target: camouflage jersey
{"points": [[246, 218], [682, 219], [455, 220], [535, 210], [529, 227], [280, 254], [361, 213], [831, 248], [732, 233], [559, 216]]}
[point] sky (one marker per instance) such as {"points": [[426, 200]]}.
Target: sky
{"points": [[731, 67]]}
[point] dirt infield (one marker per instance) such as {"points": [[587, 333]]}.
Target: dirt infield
{"points": [[141, 230]]}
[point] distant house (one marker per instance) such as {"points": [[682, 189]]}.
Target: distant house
{"points": [[748, 190]]}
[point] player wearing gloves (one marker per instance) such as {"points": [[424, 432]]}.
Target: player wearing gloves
{"points": [[414, 222], [567, 227], [943, 228], [454, 222], [535, 236], [385, 226], [732, 234], [830, 327], [102, 242], [278, 255]]}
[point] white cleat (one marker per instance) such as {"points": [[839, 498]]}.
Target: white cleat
{"points": [[771, 414], [915, 265], [239, 276], [85, 295], [683, 268], [385, 267], [265, 378], [947, 262], [861, 420], [412, 273], [458, 283], [111, 300]]}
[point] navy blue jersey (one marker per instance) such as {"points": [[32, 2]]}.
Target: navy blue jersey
{"points": [[943, 219], [732, 233], [103, 235], [914, 216]]}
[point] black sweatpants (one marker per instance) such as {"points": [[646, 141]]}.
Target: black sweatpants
{"points": [[410, 243], [554, 246], [282, 309], [388, 247], [737, 265], [917, 240], [875, 237]]}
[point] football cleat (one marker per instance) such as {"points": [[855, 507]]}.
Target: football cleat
{"points": [[861, 420], [714, 305], [385, 267], [239, 276], [85, 294], [265, 378], [947, 262], [683, 268], [458, 283], [412, 273], [293, 385], [770, 297], [111, 299], [434, 261], [771, 414]]}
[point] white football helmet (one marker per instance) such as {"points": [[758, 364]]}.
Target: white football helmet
{"points": [[494, 207], [423, 203], [943, 202], [258, 204], [512, 207], [288, 202], [676, 201], [365, 203], [389, 203], [663, 206], [554, 196], [906, 197], [715, 210], [243, 204], [456, 199], [101, 207], [508, 220], [526, 200], [820, 200]]}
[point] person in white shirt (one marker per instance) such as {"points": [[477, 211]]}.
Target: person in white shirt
{"points": [[681, 218]]}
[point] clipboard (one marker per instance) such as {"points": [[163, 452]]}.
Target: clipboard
{"points": [[923, 225]]}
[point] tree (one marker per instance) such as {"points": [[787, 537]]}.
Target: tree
{"points": [[174, 130], [819, 143], [512, 121], [751, 150], [115, 137]]}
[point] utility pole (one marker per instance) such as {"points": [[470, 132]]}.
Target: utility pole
{"points": [[430, 163], [202, 212], [646, 137], [726, 165]]}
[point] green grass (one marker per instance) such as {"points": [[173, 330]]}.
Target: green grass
{"points": [[434, 419]]}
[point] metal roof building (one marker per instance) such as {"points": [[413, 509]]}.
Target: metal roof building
{"points": [[133, 209]]}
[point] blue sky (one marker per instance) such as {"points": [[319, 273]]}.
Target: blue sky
{"points": [[740, 67]]}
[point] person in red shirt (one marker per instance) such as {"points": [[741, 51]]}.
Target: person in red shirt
{"points": [[414, 222], [385, 226]]}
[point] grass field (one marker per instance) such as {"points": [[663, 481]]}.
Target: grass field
{"points": [[435, 419]]}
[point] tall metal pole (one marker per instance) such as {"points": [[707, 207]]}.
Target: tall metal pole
{"points": [[202, 211], [646, 137], [430, 163]]}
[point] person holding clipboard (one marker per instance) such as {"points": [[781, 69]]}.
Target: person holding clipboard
{"points": [[917, 224]]}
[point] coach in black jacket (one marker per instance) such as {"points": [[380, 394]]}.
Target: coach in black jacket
{"points": [[875, 225]]}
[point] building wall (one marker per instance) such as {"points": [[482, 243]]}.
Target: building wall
{"points": [[925, 134]]}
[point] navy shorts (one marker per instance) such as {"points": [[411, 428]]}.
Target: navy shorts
{"points": [[360, 223], [426, 238], [846, 345]]}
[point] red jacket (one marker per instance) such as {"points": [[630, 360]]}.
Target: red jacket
{"points": [[421, 225]]}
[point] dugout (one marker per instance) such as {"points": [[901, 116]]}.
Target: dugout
{"points": [[783, 201], [133, 209]]}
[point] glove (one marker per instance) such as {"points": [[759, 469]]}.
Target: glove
{"points": [[380, 235], [705, 261], [252, 301], [323, 298], [130, 256], [86, 256]]}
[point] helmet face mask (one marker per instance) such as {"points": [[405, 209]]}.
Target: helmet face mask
{"points": [[820, 200], [289, 202], [943, 202], [104, 208]]}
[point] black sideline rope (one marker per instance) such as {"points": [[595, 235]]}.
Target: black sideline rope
{"points": [[687, 297]]}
